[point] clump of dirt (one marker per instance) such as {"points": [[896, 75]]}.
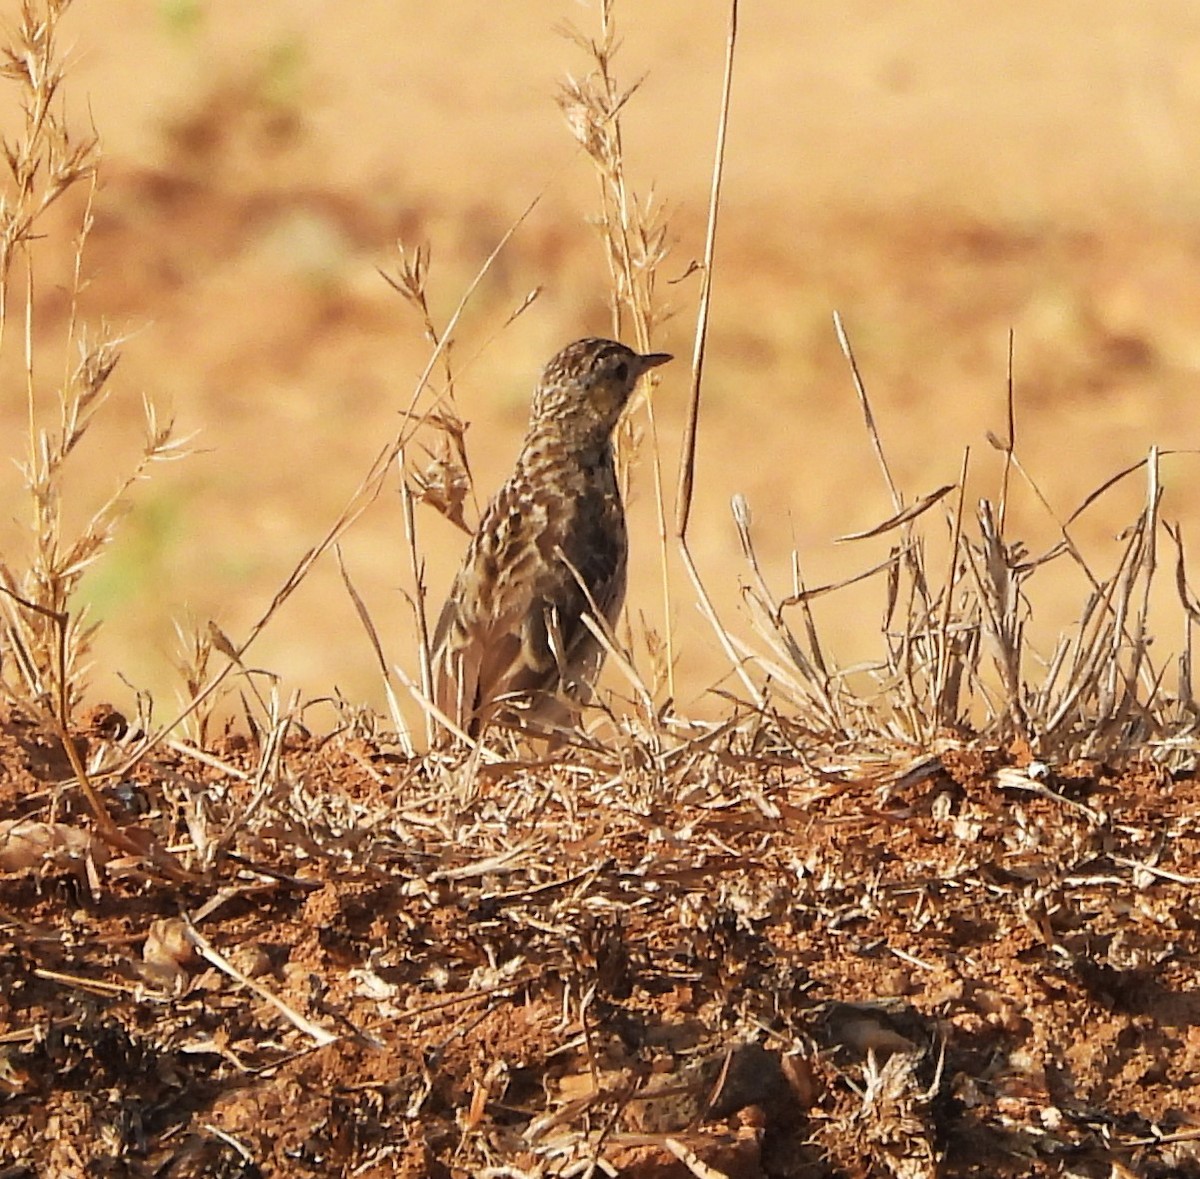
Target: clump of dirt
{"points": [[362, 963]]}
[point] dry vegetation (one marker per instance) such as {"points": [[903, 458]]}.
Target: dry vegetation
{"points": [[931, 915]]}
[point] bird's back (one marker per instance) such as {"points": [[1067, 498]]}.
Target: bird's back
{"points": [[551, 547]]}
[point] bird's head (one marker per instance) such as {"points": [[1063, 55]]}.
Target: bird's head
{"points": [[585, 387]]}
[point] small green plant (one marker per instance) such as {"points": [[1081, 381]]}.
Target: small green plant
{"points": [[181, 18]]}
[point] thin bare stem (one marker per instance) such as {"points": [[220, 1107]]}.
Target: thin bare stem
{"points": [[1010, 441], [869, 417], [687, 462], [943, 714], [417, 571]]}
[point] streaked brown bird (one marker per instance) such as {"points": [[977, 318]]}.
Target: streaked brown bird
{"points": [[550, 549]]}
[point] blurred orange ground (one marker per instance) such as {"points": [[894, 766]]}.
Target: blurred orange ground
{"points": [[936, 174]]}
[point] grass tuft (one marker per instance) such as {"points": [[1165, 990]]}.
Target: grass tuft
{"points": [[955, 656]]}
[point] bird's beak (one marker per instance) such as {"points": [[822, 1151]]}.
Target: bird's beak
{"points": [[653, 360]]}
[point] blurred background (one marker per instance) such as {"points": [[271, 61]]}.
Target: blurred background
{"points": [[938, 173]]}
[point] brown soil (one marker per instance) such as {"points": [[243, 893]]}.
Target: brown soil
{"points": [[732, 958]]}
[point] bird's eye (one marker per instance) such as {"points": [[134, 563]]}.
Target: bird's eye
{"points": [[621, 372]]}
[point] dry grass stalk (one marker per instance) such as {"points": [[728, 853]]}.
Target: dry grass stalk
{"points": [[368, 622], [687, 463], [633, 232], [446, 483], [207, 951], [44, 638], [193, 653], [49, 640]]}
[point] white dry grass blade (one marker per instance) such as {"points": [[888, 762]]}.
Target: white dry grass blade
{"points": [[438, 717], [904, 516], [813, 684], [417, 572], [1191, 617], [319, 1035], [613, 652], [364, 616], [953, 640], [997, 595], [864, 403]]}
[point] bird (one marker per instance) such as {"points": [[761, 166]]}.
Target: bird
{"points": [[511, 645]]}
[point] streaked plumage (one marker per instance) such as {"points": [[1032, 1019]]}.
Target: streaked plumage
{"points": [[511, 633]]}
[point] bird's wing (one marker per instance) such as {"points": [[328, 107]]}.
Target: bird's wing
{"points": [[483, 645], [513, 621]]}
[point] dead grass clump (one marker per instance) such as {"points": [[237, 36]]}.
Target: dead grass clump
{"points": [[956, 659], [767, 971]]}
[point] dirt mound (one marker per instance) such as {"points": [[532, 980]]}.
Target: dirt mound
{"points": [[712, 958]]}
